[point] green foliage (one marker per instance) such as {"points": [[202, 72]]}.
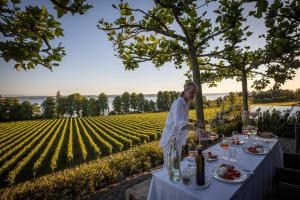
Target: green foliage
{"points": [[278, 123], [28, 33], [87, 178], [117, 104], [103, 103], [125, 102], [139, 36], [164, 99], [49, 107], [93, 107], [275, 96]]}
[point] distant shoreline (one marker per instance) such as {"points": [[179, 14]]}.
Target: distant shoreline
{"points": [[91, 96]]}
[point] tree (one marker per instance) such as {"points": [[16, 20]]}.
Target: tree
{"points": [[103, 103], [25, 110], [93, 107], [58, 96], [140, 36], [62, 106], [76, 103], [167, 100], [133, 101], [36, 111], [125, 102], [49, 108], [117, 104], [146, 106], [160, 101], [277, 61], [140, 103], [152, 107], [28, 32]]}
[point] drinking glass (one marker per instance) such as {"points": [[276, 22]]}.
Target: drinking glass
{"points": [[224, 144], [233, 153]]}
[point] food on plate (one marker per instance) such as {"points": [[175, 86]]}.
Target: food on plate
{"points": [[256, 149], [267, 135], [212, 155], [228, 172]]}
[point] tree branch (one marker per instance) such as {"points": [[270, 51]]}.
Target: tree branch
{"points": [[55, 2], [152, 16], [149, 29]]}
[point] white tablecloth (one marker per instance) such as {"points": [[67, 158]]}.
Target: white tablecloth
{"points": [[263, 166]]}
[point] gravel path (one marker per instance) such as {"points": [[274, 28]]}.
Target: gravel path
{"points": [[117, 191]]}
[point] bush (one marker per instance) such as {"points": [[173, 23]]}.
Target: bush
{"points": [[280, 124], [85, 179]]}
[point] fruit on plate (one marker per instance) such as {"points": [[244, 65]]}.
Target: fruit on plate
{"points": [[212, 155], [256, 149], [229, 172]]}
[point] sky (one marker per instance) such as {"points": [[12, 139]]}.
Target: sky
{"points": [[90, 66]]}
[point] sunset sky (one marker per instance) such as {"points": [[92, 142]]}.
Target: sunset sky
{"points": [[90, 66]]}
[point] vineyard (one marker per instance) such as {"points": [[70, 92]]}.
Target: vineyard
{"points": [[29, 149]]}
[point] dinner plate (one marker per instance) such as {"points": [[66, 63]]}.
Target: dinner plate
{"points": [[262, 153], [242, 178]]}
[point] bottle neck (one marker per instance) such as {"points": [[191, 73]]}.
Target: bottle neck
{"points": [[199, 151]]}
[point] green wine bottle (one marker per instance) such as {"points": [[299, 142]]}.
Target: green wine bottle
{"points": [[200, 167]]}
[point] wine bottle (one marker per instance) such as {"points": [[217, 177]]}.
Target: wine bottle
{"points": [[200, 167]]}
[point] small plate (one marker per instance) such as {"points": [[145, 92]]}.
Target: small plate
{"points": [[212, 159], [266, 151], [242, 178]]}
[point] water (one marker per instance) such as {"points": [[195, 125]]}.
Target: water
{"points": [[39, 99]]}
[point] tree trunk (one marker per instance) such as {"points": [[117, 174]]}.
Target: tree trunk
{"points": [[197, 80], [245, 97]]}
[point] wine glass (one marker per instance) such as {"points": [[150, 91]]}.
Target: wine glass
{"points": [[224, 144]]}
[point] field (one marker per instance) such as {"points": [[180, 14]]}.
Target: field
{"points": [[29, 149]]}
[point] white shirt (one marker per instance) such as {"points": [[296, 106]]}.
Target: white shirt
{"points": [[178, 117]]}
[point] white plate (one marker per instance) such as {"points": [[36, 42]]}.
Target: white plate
{"points": [[266, 151], [242, 178], [212, 159]]}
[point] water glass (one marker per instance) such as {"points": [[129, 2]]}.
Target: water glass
{"points": [[233, 153]]}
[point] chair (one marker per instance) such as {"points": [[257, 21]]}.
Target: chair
{"points": [[289, 174], [285, 175], [291, 160], [297, 138], [288, 191]]}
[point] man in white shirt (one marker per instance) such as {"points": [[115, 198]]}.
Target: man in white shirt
{"points": [[177, 122]]}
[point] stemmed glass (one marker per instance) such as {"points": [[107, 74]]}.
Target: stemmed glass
{"points": [[224, 144]]}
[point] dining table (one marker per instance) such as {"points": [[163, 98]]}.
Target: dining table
{"points": [[259, 169]]}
